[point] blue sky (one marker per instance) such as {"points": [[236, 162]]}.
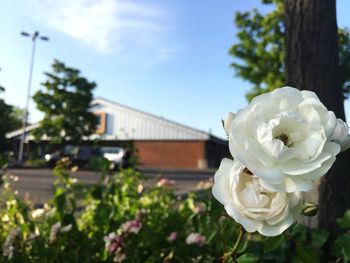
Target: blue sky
{"points": [[169, 58]]}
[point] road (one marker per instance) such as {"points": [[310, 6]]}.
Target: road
{"points": [[37, 184]]}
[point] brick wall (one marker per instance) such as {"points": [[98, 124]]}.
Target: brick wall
{"points": [[182, 154]]}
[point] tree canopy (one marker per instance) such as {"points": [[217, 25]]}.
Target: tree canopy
{"points": [[10, 119], [259, 54], [65, 102]]}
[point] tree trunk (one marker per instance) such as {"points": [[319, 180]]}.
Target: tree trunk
{"points": [[312, 64]]}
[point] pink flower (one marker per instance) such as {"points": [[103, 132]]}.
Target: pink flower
{"points": [[132, 226], [195, 239], [119, 256], [113, 242], [199, 208], [172, 236], [165, 182]]}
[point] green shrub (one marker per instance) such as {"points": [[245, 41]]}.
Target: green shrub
{"points": [[36, 163], [120, 220]]}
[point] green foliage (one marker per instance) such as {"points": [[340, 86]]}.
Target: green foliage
{"points": [[260, 53], [307, 253], [341, 246], [37, 163], [319, 237], [10, 119], [98, 163], [344, 222], [247, 258], [272, 243], [65, 102], [93, 224], [344, 59]]}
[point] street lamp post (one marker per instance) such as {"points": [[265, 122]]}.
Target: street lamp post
{"points": [[34, 37]]}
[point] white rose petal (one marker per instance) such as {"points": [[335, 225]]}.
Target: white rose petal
{"points": [[228, 122], [287, 138], [250, 204], [341, 135]]}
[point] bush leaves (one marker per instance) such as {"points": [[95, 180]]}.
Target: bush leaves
{"points": [[344, 222], [272, 243]]}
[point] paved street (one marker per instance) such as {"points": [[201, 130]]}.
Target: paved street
{"points": [[37, 184]]}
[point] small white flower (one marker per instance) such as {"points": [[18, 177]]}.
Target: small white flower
{"points": [[195, 239], [55, 229], [5, 218], [66, 228], [38, 213], [165, 182], [119, 256], [74, 180], [252, 205], [286, 137], [14, 178], [8, 246], [108, 239], [132, 226]]}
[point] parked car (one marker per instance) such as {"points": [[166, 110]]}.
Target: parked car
{"points": [[118, 156], [78, 155]]}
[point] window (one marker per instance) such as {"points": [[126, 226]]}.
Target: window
{"points": [[101, 122]]}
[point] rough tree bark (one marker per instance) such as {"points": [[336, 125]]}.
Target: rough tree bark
{"points": [[312, 64]]}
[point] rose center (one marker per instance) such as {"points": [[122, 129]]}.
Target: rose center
{"points": [[253, 195], [284, 138], [247, 171]]}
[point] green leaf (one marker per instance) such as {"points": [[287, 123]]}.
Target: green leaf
{"points": [[319, 237], [60, 202], [298, 232], [296, 259], [247, 258], [307, 253], [343, 242], [212, 235], [272, 243], [344, 222]]}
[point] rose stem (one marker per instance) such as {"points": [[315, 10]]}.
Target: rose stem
{"points": [[238, 241]]}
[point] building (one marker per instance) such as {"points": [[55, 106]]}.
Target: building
{"points": [[160, 142]]}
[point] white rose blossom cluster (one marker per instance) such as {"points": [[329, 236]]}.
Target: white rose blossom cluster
{"points": [[281, 143]]}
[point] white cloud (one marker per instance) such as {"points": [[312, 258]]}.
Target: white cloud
{"points": [[107, 25]]}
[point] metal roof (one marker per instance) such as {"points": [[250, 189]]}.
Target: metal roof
{"points": [[127, 123], [18, 132]]}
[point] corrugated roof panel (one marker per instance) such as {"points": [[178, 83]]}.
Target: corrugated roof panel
{"points": [[132, 124], [126, 123]]}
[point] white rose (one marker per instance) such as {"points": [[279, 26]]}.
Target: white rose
{"points": [[341, 135], [285, 138], [250, 204], [228, 122]]}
